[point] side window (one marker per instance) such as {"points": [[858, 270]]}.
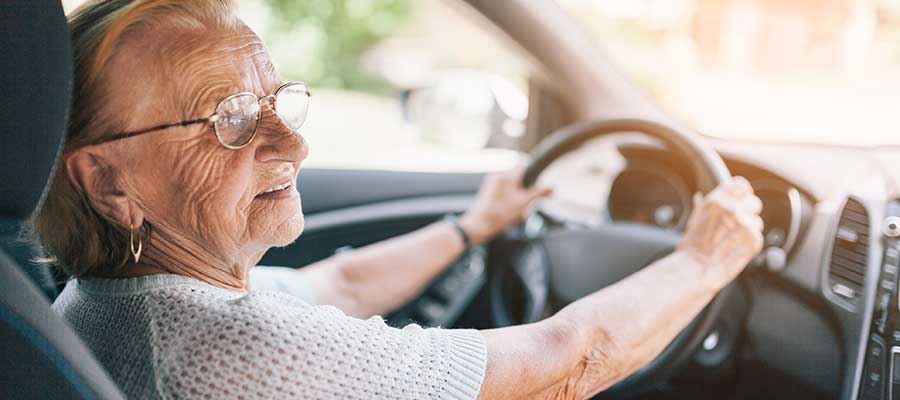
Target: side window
{"points": [[398, 84]]}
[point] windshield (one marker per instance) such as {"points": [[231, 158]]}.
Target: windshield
{"points": [[807, 71]]}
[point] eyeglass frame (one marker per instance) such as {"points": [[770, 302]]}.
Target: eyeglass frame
{"points": [[269, 100]]}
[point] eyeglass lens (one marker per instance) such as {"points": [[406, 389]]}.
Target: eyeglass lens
{"points": [[238, 115]]}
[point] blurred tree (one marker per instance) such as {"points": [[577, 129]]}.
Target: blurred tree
{"points": [[321, 41]]}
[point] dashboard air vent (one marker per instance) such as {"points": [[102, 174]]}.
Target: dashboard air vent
{"points": [[849, 254]]}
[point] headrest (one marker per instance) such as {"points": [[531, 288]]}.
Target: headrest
{"points": [[35, 91]]}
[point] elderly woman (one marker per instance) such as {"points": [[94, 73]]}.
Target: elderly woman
{"points": [[180, 172]]}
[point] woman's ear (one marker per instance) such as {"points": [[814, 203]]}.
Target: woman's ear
{"points": [[90, 172]]}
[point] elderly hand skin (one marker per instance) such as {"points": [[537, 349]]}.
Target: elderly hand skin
{"points": [[603, 338], [725, 231], [500, 202]]}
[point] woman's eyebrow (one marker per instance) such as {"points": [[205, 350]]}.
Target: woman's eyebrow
{"points": [[200, 100], [206, 87]]}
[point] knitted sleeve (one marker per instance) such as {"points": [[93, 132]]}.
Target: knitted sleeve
{"points": [[284, 280], [268, 345]]}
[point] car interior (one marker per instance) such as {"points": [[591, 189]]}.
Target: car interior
{"points": [[815, 315]]}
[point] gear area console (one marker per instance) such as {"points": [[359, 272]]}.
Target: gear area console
{"points": [[881, 372]]}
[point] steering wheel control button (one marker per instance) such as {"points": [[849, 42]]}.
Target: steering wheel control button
{"points": [[711, 341], [891, 227], [776, 259], [775, 237], [664, 215]]}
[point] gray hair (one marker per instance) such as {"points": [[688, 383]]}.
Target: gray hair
{"points": [[75, 236]]}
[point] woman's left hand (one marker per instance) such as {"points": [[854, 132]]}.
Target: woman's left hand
{"points": [[501, 201]]}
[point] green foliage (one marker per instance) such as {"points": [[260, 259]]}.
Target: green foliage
{"points": [[321, 41]]}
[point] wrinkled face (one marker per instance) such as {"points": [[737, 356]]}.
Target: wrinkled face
{"points": [[198, 195]]}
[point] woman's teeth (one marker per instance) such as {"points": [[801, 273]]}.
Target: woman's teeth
{"points": [[277, 188]]}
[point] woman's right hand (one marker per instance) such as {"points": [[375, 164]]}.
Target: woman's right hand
{"points": [[724, 231]]}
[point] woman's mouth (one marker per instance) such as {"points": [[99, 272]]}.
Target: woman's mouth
{"points": [[279, 191]]}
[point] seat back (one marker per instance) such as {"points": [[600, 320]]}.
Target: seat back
{"points": [[24, 253], [41, 356]]}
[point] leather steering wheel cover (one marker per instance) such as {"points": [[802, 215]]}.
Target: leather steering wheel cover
{"points": [[710, 170]]}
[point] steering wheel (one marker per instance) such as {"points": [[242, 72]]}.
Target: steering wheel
{"points": [[568, 264]]}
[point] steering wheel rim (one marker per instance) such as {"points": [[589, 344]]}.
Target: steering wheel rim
{"points": [[709, 166], [710, 170]]}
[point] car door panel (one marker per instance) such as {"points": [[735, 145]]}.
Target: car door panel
{"points": [[331, 189], [355, 208]]}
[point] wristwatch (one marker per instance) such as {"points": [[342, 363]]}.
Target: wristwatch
{"points": [[453, 220]]}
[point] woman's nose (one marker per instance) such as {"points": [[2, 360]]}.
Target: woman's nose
{"points": [[277, 142]]}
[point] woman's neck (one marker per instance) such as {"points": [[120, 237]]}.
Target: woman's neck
{"points": [[211, 276], [163, 256]]}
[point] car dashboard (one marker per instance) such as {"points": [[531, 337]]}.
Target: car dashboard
{"points": [[823, 303], [843, 266]]}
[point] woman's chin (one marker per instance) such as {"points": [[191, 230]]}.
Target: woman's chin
{"points": [[288, 231], [278, 224]]}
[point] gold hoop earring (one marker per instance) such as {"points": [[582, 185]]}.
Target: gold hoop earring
{"points": [[140, 245]]}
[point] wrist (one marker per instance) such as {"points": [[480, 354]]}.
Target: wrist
{"points": [[477, 228], [702, 265]]}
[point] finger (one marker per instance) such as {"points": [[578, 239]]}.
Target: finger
{"points": [[747, 204], [748, 231], [742, 204], [754, 225], [752, 205], [511, 179], [758, 239], [698, 200], [539, 191], [741, 185], [736, 187], [533, 194], [758, 224]]}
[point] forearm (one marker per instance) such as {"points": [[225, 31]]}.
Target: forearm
{"points": [[383, 276], [600, 339], [524, 360], [631, 322], [380, 277]]}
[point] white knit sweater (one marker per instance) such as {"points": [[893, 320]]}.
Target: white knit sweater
{"points": [[169, 336]]}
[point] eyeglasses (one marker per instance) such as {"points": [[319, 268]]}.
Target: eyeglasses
{"points": [[236, 118]]}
